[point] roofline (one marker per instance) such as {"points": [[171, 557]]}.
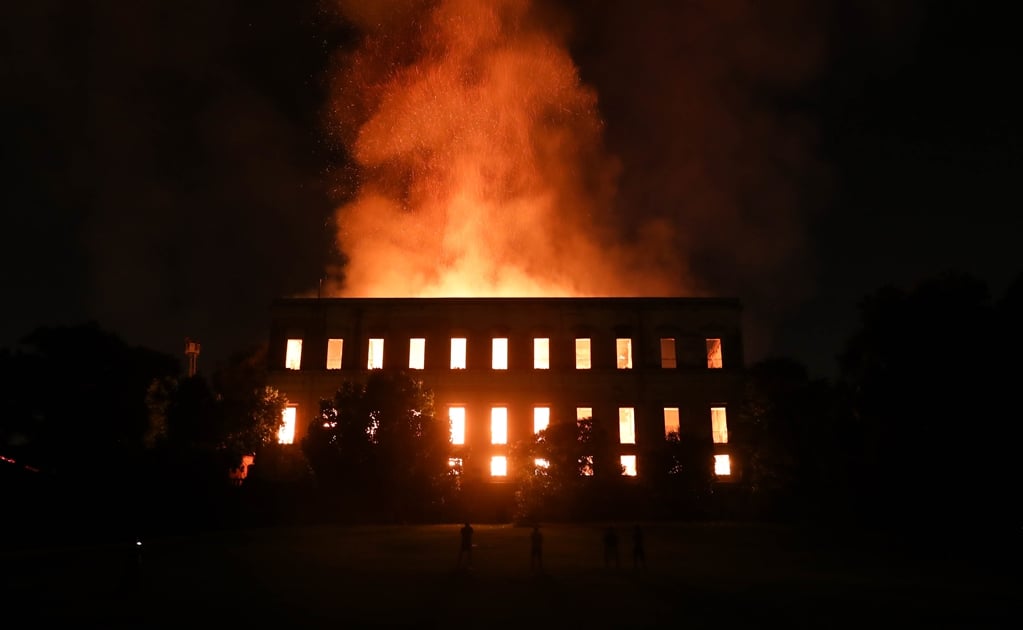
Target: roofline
{"points": [[708, 301]]}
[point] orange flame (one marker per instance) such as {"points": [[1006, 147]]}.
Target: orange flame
{"points": [[481, 166]]}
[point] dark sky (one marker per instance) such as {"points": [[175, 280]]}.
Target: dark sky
{"points": [[167, 173]]}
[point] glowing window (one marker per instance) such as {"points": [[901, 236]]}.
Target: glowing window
{"points": [[586, 465], [286, 434], [624, 349], [719, 424], [499, 354], [722, 465], [455, 465], [668, 353], [629, 465], [293, 356], [499, 425], [456, 417], [541, 354], [458, 353], [582, 354], [541, 418], [626, 425], [498, 466], [583, 413], [376, 354], [540, 462], [714, 359], [670, 421], [416, 354], [334, 353]]}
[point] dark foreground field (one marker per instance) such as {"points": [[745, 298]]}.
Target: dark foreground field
{"points": [[698, 575]]}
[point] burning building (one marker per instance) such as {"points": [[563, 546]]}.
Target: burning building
{"points": [[502, 369]]}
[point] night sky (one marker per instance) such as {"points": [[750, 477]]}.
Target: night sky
{"points": [[168, 170]]}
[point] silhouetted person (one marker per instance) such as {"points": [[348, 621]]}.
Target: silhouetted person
{"points": [[638, 550], [611, 547], [465, 549], [536, 548]]}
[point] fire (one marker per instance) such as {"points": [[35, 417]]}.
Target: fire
{"points": [[480, 160]]}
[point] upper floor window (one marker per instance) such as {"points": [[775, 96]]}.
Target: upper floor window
{"points": [[456, 417], [416, 353], [499, 354], [286, 434], [668, 359], [541, 354], [375, 360], [334, 347], [583, 413], [671, 421], [458, 353], [714, 358], [624, 348], [722, 465], [499, 425], [626, 425], [719, 425], [498, 466], [541, 418], [582, 354], [293, 354]]}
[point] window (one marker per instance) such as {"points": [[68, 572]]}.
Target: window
{"points": [[541, 418], [334, 353], [286, 434], [583, 413], [498, 466], [624, 348], [293, 356], [541, 354], [499, 354], [376, 354], [455, 465], [668, 359], [722, 465], [586, 465], [719, 425], [714, 359], [456, 417], [540, 462], [629, 465], [499, 425], [626, 425], [458, 353], [582, 354], [416, 353], [670, 421]]}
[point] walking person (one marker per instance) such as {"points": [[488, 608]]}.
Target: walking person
{"points": [[536, 549], [465, 548]]}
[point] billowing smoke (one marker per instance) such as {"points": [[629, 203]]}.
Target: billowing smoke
{"points": [[480, 162]]}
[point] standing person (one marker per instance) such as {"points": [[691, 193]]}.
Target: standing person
{"points": [[536, 549], [638, 550], [611, 547], [465, 549]]}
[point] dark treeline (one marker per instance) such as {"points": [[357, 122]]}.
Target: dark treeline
{"points": [[913, 436]]}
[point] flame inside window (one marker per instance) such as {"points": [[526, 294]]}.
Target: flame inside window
{"points": [[586, 465], [458, 353], [293, 354], [542, 354], [416, 353], [541, 418], [719, 424], [628, 465], [286, 434], [670, 421], [714, 357], [334, 347], [627, 425], [375, 360], [624, 348], [499, 358], [722, 465], [499, 425], [456, 416], [582, 354], [499, 466]]}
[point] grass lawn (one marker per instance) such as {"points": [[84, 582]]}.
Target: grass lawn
{"points": [[697, 575]]}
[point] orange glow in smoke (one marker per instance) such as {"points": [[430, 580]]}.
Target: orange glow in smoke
{"points": [[480, 159]]}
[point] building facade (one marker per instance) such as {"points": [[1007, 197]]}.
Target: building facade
{"points": [[502, 369]]}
